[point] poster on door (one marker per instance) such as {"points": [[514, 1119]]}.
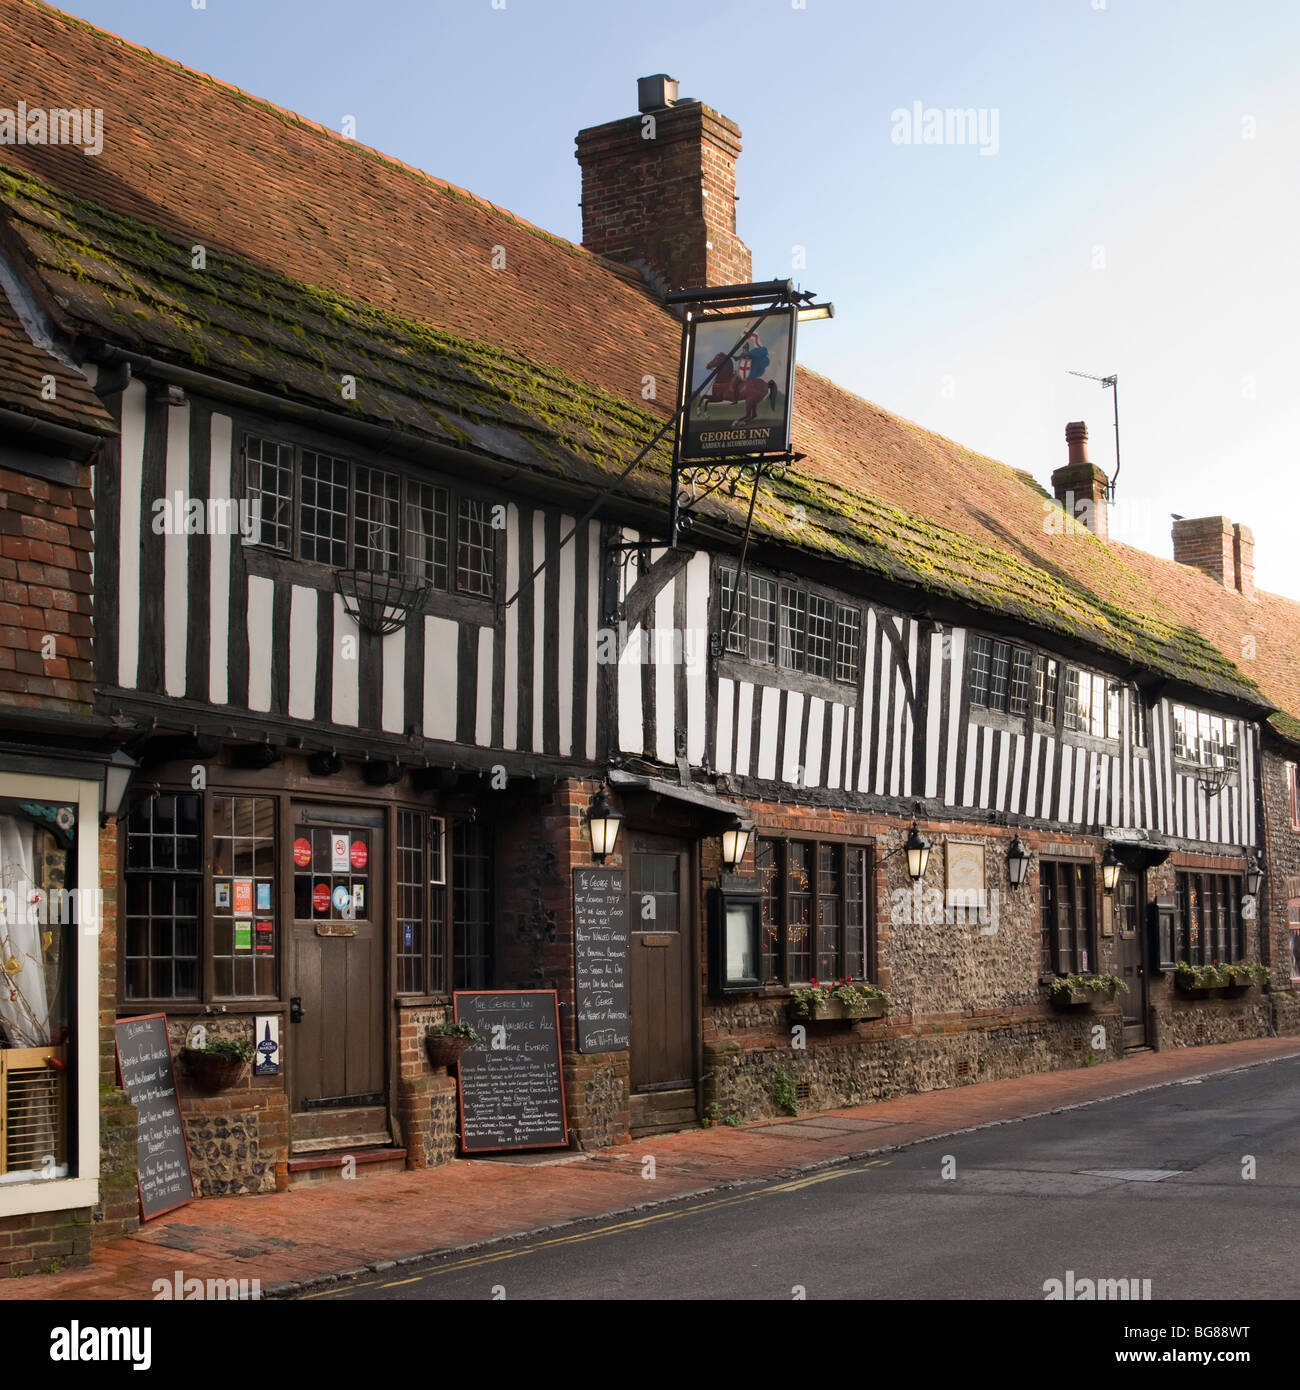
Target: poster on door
{"points": [[339, 846]]}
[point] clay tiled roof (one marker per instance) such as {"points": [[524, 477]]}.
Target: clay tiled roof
{"points": [[325, 258], [25, 370]]}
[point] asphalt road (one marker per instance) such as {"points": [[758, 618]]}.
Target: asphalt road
{"points": [[1152, 1186]]}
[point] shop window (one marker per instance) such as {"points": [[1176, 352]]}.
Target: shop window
{"points": [[1067, 917], [245, 905], [1207, 918], [163, 883], [175, 950], [471, 905], [1293, 932], [1293, 793], [806, 887], [421, 904], [38, 937]]}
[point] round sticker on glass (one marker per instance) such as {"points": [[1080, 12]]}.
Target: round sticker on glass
{"points": [[341, 898], [358, 854], [302, 853], [320, 897]]}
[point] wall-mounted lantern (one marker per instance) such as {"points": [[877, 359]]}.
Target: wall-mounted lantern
{"points": [[602, 826], [112, 792], [1017, 863], [1254, 877], [735, 841], [1110, 867], [918, 853]]}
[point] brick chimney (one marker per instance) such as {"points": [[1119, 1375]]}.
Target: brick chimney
{"points": [[1080, 487], [1225, 550], [659, 190]]}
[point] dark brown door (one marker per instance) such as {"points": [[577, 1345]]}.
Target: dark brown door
{"points": [[662, 1032], [337, 973], [1129, 910]]}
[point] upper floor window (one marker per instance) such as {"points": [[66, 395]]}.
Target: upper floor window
{"points": [[1293, 793], [331, 511], [1092, 704], [1000, 675], [798, 629], [1207, 739], [1047, 679], [1137, 719]]}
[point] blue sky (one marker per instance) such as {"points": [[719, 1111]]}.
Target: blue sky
{"points": [[1140, 215]]}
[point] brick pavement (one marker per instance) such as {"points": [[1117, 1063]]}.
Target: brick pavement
{"points": [[316, 1233]]}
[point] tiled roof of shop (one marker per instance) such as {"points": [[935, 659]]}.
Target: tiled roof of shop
{"points": [[326, 258], [32, 382]]}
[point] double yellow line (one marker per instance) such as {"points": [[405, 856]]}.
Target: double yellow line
{"points": [[617, 1228]]}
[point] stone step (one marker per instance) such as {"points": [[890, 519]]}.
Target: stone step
{"points": [[331, 1166]]}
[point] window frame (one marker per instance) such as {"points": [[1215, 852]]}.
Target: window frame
{"points": [[779, 979], [409, 501], [1082, 894], [1217, 919], [762, 630]]}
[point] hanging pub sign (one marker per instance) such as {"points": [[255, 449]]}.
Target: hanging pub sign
{"points": [[747, 361]]}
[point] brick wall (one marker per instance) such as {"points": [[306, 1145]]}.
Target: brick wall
{"points": [[45, 566], [1281, 884]]}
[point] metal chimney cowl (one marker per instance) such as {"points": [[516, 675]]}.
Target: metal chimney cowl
{"points": [[656, 92]]}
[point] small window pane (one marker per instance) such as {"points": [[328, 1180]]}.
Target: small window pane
{"points": [[735, 636], [1045, 683], [999, 674], [794, 628], [847, 633], [323, 510], [1021, 666], [427, 521], [821, 629], [475, 548], [268, 486], [981, 660], [762, 619], [375, 527]]}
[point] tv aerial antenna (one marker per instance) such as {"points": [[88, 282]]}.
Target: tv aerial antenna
{"points": [[1111, 382]]}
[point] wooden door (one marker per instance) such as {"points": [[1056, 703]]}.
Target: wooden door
{"points": [[337, 1058], [1130, 893], [663, 932]]}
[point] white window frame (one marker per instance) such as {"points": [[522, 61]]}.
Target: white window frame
{"points": [[71, 1193]]}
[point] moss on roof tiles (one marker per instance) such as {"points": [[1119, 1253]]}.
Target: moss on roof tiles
{"points": [[138, 286]]}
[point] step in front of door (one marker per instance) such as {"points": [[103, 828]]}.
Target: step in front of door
{"points": [[338, 1164], [360, 1127], [662, 1112]]}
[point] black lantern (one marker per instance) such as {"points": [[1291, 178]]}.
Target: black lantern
{"points": [[735, 841], [1254, 877], [117, 777], [602, 825], [1110, 867], [918, 853], [1017, 863]]}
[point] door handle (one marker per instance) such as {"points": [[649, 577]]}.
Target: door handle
{"points": [[295, 1009]]}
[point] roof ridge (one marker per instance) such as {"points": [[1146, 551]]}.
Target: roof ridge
{"points": [[367, 151]]}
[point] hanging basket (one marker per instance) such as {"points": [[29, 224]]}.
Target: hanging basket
{"points": [[380, 600], [444, 1050], [210, 1072]]}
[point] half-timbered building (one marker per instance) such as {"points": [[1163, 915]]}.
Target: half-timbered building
{"points": [[376, 620]]}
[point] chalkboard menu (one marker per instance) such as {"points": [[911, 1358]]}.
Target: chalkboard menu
{"points": [[144, 1062], [511, 1087], [600, 944]]}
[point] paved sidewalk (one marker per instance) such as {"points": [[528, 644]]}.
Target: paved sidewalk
{"points": [[312, 1235]]}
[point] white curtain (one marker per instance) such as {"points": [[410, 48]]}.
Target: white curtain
{"points": [[24, 1003]]}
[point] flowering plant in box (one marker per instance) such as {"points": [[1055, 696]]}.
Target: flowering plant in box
{"points": [[815, 998]]}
